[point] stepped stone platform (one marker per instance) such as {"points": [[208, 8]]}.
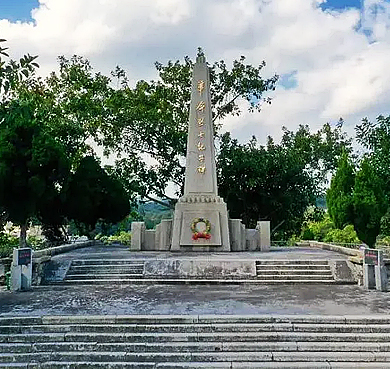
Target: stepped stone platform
{"points": [[200, 325], [117, 265], [195, 341]]}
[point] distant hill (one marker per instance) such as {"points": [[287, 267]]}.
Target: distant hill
{"points": [[152, 213]]}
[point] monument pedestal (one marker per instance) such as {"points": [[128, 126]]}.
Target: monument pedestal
{"points": [[207, 209]]}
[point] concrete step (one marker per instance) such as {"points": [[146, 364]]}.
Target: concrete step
{"points": [[149, 281], [251, 356], [72, 276], [92, 271], [194, 347], [108, 266], [104, 272], [287, 280], [293, 267], [153, 337], [108, 262], [200, 365], [117, 270], [195, 319], [88, 268], [292, 262], [296, 277], [194, 328], [195, 341], [293, 271]]}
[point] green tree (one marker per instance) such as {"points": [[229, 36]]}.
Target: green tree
{"points": [[318, 152], [261, 183], [385, 224], [13, 73], [152, 119], [339, 197], [376, 138], [33, 162], [149, 120], [94, 196], [81, 106], [369, 202], [277, 182], [33, 165]]}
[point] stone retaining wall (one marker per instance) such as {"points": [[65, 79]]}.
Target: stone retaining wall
{"points": [[355, 260], [330, 247], [51, 251], [41, 257]]}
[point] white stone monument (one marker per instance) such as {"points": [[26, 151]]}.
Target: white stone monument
{"points": [[201, 219]]}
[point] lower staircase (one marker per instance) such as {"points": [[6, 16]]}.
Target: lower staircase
{"points": [[186, 341], [104, 271], [133, 271], [287, 271]]}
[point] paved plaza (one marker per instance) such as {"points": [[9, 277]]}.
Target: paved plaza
{"points": [[313, 299]]}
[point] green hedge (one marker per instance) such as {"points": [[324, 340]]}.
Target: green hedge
{"points": [[7, 244], [325, 231], [123, 238]]}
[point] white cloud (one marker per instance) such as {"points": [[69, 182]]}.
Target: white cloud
{"points": [[339, 71]]}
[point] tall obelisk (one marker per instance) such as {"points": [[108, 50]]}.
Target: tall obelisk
{"points": [[201, 219]]}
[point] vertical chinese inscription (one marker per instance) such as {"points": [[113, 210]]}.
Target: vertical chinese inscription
{"points": [[200, 110], [200, 86], [201, 106]]}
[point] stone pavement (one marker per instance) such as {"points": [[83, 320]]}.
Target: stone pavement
{"points": [[314, 299], [196, 299], [279, 253]]}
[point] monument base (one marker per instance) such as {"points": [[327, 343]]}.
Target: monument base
{"points": [[166, 235], [200, 224]]}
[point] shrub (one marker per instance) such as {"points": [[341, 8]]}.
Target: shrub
{"points": [[317, 230], [345, 235], [7, 243], [123, 238], [383, 241], [326, 231], [36, 242], [385, 224]]}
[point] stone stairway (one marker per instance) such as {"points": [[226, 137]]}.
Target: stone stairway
{"points": [[294, 271], [176, 271], [185, 341], [104, 271]]}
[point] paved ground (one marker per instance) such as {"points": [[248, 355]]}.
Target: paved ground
{"points": [[97, 252], [197, 299]]}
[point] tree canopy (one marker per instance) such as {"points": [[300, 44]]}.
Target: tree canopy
{"points": [[46, 128], [339, 196], [94, 196], [375, 137], [277, 182], [362, 199], [49, 130], [33, 165], [152, 118], [370, 203]]}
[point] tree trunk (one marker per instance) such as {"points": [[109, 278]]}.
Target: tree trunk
{"points": [[65, 233], [23, 235]]}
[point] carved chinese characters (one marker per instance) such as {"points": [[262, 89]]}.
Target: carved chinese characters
{"points": [[200, 110]]}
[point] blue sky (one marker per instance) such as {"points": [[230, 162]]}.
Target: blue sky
{"points": [[341, 4], [17, 9]]}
